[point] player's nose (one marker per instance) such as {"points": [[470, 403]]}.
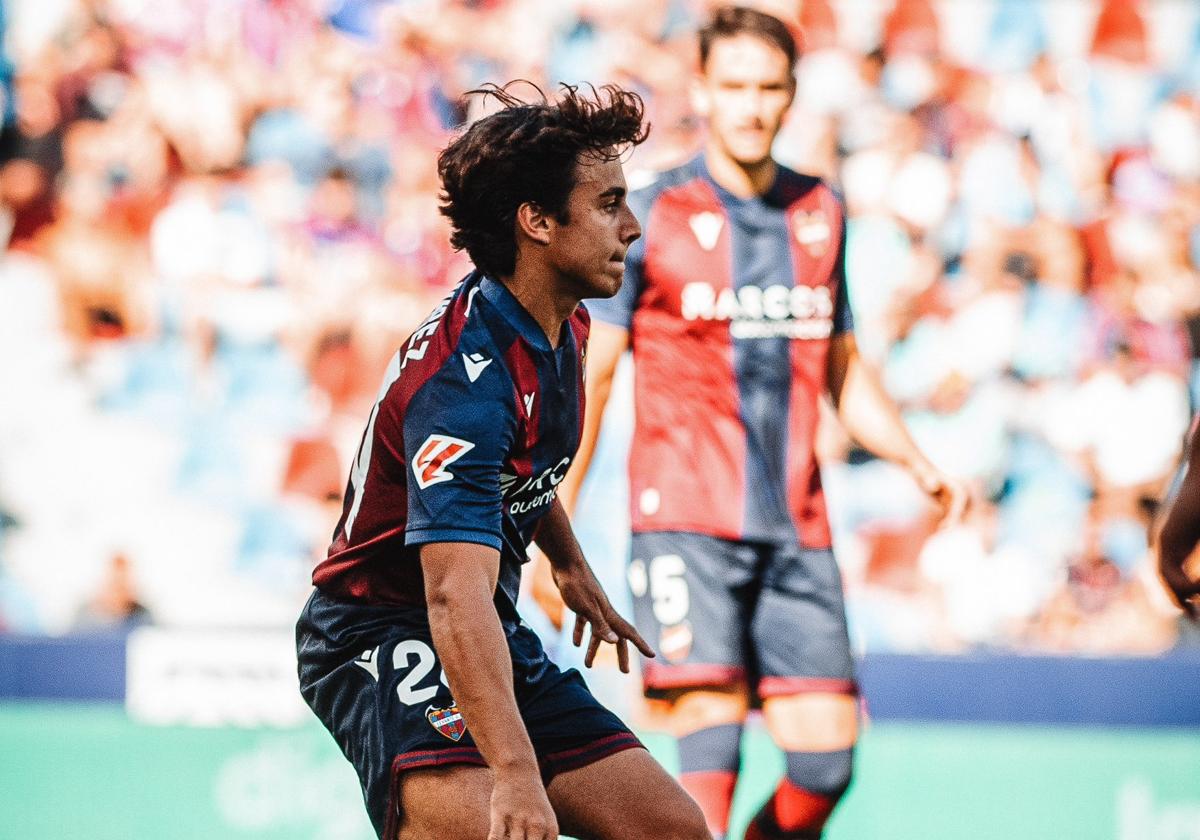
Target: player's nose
{"points": [[631, 229]]}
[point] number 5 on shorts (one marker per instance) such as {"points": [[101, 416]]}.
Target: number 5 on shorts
{"points": [[668, 589]]}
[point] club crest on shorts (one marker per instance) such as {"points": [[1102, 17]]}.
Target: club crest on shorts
{"points": [[675, 642], [448, 721]]}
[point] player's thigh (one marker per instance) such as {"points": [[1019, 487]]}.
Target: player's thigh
{"points": [[690, 602], [800, 637], [441, 802], [691, 710], [626, 796]]}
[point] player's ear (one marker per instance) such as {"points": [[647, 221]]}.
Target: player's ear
{"points": [[534, 222]]}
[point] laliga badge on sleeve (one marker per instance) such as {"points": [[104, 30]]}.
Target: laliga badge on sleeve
{"points": [[448, 721]]}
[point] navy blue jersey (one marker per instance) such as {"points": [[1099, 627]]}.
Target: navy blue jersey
{"points": [[475, 426], [731, 304]]}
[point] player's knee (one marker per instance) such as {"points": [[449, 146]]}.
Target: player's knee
{"points": [[826, 774]]}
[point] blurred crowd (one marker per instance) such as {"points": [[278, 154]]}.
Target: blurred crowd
{"points": [[221, 219]]}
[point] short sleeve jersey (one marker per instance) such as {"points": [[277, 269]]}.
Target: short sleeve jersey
{"points": [[475, 425], [731, 304]]}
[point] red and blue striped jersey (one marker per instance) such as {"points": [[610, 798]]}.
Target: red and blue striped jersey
{"points": [[475, 425], [731, 304]]}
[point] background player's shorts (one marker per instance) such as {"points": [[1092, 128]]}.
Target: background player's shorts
{"points": [[372, 677], [718, 612]]}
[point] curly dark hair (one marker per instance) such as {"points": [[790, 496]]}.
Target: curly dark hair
{"points": [[527, 152], [728, 21]]}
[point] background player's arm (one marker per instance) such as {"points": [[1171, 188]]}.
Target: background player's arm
{"points": [[606, 343], [1180, 533], [460, 579], [575, 582], [872, 418]]}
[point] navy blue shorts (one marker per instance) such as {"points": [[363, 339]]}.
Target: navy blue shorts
{"points": [[371, 675], [720, 612]]}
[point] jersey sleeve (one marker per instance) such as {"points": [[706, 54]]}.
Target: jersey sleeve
{"points": [[618, 310], [457, 435], [843, 315]]}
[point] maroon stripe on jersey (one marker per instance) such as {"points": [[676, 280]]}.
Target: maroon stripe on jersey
{"points": [[527, 395], [687, 460], [378, 515], [815, 222]]}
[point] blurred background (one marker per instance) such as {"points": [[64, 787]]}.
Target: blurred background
{"points": [[220, 220]]}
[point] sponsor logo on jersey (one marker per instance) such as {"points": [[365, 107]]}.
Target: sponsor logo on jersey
{"points": [[812, 231], [434, 455], [535, 492], [448, 721], [801, 312], [475, 363], [528, 400], [707, 228]]}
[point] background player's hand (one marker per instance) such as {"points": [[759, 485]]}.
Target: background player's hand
{"points": [[520, 809], [1184, 591], [949, 494], [584, 595]]}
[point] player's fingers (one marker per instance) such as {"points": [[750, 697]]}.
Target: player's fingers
{"points": [[960, 499], [580, 621], [627, 631], [623, 656], [593, 646]]}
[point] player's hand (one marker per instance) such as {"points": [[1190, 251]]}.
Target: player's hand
{"points": [[520, 809], [949, 494], [584, 595], [1184, 591]]}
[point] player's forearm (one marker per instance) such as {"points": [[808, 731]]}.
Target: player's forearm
{"points": [[472, 649], [872, 417], [556, 538]]}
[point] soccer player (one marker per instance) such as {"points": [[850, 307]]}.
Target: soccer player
{"points": [[1181, 531], [411, 651], [734, 304]]}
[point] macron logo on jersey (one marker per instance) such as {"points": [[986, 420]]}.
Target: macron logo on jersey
{"points": [[475, 363], [707, 228], [435, 454]]}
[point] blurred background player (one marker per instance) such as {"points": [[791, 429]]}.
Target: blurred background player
{"points": [[734, 304], [1181, 531], [411, 650]]}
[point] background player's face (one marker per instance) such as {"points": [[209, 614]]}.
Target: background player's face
{"points": [[745, 88], [589, 250]]}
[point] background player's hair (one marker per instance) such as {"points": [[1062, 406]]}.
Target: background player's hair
{"points": [[728, 21], [527, 152]]}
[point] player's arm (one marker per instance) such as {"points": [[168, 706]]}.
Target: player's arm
{"points": [[873, 419], [579, 589], [606, 343], [460, 579], [1180, 533]]}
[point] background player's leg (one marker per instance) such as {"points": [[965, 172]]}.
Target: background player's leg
{"points": [[441, 802], [817, 733], [809, 699], [626, 796], [708, 726]]}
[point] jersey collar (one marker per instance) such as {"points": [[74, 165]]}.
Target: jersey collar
{"points": [[512, 310]]}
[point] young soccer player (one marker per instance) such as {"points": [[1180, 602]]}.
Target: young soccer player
{"points": [[411, 650], [734, 304]]}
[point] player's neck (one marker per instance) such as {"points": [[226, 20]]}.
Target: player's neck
{"points": [[745, 180], [542, 299]]}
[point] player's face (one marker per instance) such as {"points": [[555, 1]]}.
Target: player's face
{"points": [[589, 250], [745, 88]]}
